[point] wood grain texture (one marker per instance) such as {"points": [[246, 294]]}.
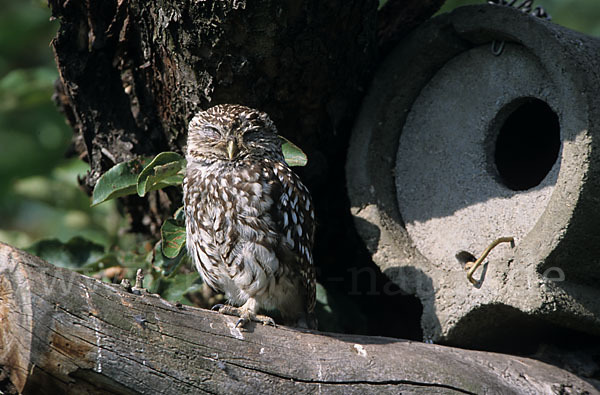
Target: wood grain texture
{"points": [[64, 332]]}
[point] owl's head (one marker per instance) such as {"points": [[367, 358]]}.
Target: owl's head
{"points": [[228, 132]]}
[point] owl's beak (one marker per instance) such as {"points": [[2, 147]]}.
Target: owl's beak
{"points": [[232, 149]]}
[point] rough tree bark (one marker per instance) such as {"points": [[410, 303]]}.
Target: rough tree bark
{"points": [[61, 332]]}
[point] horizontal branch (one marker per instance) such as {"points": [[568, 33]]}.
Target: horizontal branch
{"points": [[61, 331]]}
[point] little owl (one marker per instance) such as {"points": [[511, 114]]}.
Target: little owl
{"points": [[249, 219]]}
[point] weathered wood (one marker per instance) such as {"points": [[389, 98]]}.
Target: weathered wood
{"points": [[64, 332]]}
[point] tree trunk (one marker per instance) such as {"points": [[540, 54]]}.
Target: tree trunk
{"points": [[61, 332], [133, 73]]}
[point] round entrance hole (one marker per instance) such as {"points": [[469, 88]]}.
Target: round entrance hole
{"points": [[527, 145]]}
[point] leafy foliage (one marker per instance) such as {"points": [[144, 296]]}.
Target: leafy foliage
{"points": [[164, 170], [292, 153], [74, 254], [166, 265], [120, 180], [176, 288], [140, 176], [173, 236]]}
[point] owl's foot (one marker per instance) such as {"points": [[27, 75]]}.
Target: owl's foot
{"points": [[247, 316], [245, 312]]}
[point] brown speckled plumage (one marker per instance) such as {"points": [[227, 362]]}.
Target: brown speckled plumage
{"points": [[249, 218]]}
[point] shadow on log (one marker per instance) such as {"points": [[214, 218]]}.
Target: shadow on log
{"points": [[61, 332]]}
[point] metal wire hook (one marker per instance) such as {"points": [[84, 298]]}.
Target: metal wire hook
{"points": [[472, 266], [497, 47]]}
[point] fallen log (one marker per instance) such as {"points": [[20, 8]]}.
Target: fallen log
{"points": [[62, 332]]}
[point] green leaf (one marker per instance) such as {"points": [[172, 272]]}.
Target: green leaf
{"points": [[167, 266], [175, 288], [175, 180], [74, 254], [162, 171], [292, 154], [172, 234], [120, 180]]}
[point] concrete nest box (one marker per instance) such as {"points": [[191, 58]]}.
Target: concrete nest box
{"points": [[485, 123]]}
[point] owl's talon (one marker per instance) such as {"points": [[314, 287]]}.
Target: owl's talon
{"points": [[245, 314], [266, 320], [241, 322]]}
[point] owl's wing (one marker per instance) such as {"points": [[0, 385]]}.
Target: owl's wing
{"points": [[294, 215]]}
